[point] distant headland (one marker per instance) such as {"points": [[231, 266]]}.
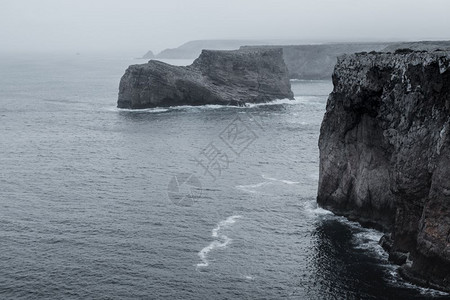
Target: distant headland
{"points": [[304, 61]]}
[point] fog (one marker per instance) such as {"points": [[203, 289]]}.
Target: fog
{"points": [[135, 26]]}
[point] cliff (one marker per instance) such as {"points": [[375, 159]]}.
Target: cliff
{"points": [[216, 77], [304, 61], [318, 61], [385, 155]]}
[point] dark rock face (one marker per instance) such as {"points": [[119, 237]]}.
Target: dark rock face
{"points": [[385, 155], [216, 77]]}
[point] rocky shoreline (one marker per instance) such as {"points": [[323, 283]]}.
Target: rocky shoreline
{"points": [[385, 155]]}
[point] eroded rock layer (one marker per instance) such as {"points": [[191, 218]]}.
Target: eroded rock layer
{"points": [[216, 77]]}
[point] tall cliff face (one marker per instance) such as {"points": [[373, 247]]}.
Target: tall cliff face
{"points": [[216, 77], [385, 154]]}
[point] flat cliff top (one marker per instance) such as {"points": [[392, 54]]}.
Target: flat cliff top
{"points": [[247, 56], [392, 59], [355, 67]]}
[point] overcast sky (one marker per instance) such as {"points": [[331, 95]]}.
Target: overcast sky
{"points": [[135, 26]]}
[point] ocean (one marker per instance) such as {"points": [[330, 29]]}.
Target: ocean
{"points": [[208, 202]]}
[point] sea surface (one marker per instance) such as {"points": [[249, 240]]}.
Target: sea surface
{"points": [[207, 202]]}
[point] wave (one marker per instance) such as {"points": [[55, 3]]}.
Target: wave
{"points": [[144, 110], [313, 209], [367, 240], [308, 80], [280, 180], [221, 240], [251, 188], [297, 100]]}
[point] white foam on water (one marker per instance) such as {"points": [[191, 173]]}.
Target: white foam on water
{"points": [[221, 240], [202, 107], [368, 240], [395, 279], [297, 100], [306, 80], [426, 291], [313, 209], [279, 180], [321, 211], [224, 223], [250, 188], [214, 245], [172, 108], [144, 110]]}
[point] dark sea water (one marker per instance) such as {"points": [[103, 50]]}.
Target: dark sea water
{"points": [[180, 203]]}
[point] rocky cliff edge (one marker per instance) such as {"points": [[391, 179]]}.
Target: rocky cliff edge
{"points": [[385, 155]]}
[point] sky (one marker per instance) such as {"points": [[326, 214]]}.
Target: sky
{"points": [[135, 26]]}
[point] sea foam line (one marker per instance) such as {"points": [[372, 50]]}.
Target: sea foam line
{"points": [[221, 240], [279, 180], [313, 209], [297, 100], [251, 188]]}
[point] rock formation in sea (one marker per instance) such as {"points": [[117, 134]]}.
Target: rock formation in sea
{"points": [[216, 77], [385, 155]]}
